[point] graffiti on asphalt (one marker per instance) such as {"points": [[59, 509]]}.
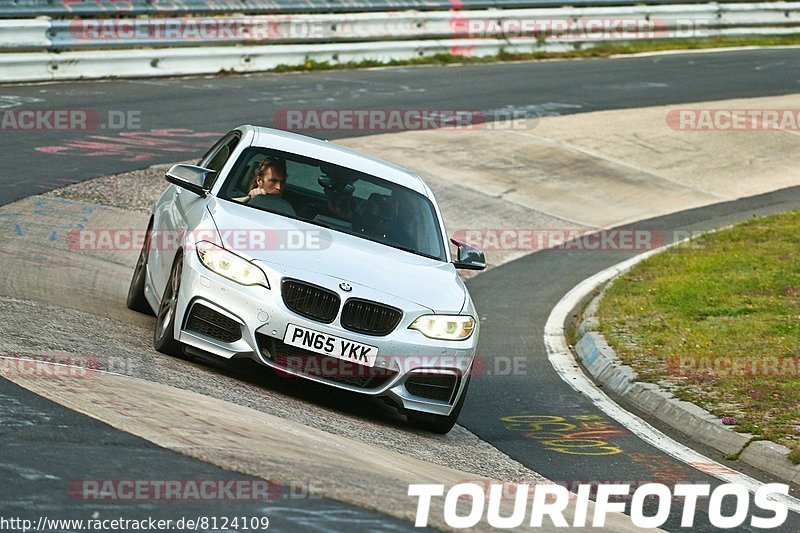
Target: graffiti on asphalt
{"points": [[49, 221], [574, 435], [135, 145]]}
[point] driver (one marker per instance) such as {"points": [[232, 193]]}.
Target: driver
{"points": [[268, 178]]}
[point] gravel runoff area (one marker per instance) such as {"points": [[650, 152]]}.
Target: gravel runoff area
{"points": [[127, 350], [134, 191]]}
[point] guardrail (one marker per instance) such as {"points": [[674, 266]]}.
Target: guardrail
{"points": [[94, 8], [45, 49]]}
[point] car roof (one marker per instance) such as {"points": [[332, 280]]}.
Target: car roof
{"points": [[333, 153]]}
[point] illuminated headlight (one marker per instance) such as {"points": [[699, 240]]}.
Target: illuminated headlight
{"points": [[229, 265], [445, 327]]}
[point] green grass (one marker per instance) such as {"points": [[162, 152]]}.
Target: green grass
{"points": [[718, 323], [603, 50]]}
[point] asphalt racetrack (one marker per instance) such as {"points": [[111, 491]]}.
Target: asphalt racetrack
{"points": [[197, 109]]}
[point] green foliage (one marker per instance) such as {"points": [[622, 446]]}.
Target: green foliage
{"points": [[717, 320]]}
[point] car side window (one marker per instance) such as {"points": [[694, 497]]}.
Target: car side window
{"points": [[216, 158]]}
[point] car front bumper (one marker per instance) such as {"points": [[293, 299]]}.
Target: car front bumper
{"points": [[412, 371]]}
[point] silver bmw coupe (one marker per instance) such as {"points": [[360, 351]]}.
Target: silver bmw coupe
{"points": [[317, 261]]}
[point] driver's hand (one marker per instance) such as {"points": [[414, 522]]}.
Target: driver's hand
{"points": [[256, 192]]}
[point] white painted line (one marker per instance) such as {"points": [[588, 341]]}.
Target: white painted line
{"points": [[569, 370], [704, 51]]}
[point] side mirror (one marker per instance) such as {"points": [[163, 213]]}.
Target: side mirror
{"points": [[469, 257], [190, 177]]}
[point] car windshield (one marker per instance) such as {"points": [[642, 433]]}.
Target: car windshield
{"points": [[341, 199]]}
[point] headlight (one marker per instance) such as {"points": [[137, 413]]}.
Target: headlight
{"points": [[445, 327], [229, 265]]}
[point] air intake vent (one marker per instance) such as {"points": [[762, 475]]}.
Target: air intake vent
{"points": [[370, 318], [310, 301], [433, 386], [213, 324]]}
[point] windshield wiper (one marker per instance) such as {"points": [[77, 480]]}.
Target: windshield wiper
{"points": [[413, 251]]}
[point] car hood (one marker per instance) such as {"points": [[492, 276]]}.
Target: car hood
{"points": [[301, 246]]}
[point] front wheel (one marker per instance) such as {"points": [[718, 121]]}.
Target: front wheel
{"points": [[439, 423], [163, 336], [136, 299]]}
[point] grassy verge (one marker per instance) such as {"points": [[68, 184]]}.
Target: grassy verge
{"points": [[717, 321], [603, 50]]}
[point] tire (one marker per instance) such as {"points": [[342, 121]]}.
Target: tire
{"points": [[136, 299], [163, 336], [439, 423]]}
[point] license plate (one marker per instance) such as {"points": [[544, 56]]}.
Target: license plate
{"points": [[331, 345]]}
